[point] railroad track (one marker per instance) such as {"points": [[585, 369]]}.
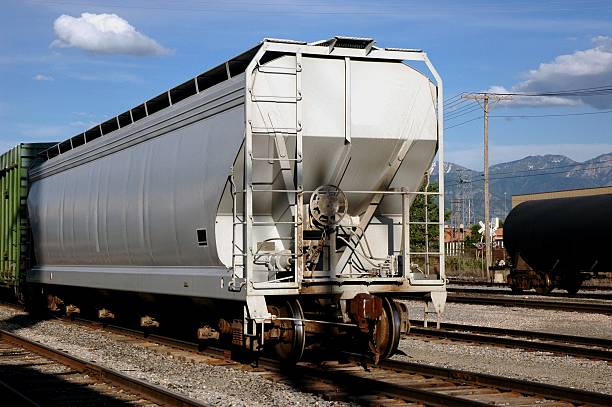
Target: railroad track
{"points": [[599, 307], [390, 383], [588, 347], [34, 375], [607, 296], [455, 281]]}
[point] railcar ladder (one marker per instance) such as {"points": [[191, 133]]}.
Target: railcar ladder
{"points": [[278, 154]]}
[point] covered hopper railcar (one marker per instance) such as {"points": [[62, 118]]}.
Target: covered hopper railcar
{"points": [[270, 195], [558, 242]]}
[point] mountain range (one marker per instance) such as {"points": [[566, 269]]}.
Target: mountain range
{"points": [[540, 173]]}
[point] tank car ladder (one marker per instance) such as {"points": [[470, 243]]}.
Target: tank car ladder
{"points": [[278, 155]]}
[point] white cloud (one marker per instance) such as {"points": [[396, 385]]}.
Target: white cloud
{"points": [[583, 69], [104, 34], [41, 77]]}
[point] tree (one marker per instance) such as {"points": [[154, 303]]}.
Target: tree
{"points": [[474, 236], [417, 214]]}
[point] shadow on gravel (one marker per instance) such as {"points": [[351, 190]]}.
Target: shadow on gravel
{"points": [[48, 389], [20, 321]]}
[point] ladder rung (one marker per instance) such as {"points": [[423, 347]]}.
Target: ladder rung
{"points": [[272, 131], [277, 99], [278, 190], [275, 159], [277, 70], [274, 223]]}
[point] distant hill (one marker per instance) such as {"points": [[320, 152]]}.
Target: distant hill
{"points": [[531, 174]]}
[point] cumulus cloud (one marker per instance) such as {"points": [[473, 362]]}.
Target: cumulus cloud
{"points": [[41, 77], [103, 34], [583, 69]]}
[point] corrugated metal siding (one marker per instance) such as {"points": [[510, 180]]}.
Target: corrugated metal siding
{"points": [[517, 199], [15, 239]]}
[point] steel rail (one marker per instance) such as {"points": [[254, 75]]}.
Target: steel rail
{"points": [[517, 385], [362, 382], [563, 344], [590, 307], [501, 291], [456, 281], [151, 392], [363, 385]]}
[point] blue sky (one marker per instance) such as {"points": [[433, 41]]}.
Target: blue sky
{"points": [[57, 78]]}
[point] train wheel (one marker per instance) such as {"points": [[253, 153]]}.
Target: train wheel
{"points": [[387, 330], [573, 286], [293, 332], [573, 289], [545, 285]]}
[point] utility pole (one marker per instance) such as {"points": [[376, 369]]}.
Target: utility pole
{"points": [[485, 97], [487, 208]]}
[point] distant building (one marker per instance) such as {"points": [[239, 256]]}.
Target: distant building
{"points": [[498, 238], [517, 199], [454, 240]]}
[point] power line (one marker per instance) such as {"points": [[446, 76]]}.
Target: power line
{"points": [[464, 103], [524, 116], [452, 98], [461, 124], [454, 104], [460, 108], [267, 8], [535, 175], [595, 91], [551, 173], [554, 167], [471, 110], [552, 115]]}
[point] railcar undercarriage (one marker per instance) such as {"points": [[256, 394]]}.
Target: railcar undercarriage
{"points": [[376, 323]]}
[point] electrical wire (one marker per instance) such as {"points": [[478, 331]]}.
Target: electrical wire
{"points": [[529, 175], [456, 103], [594, 91], [461, 124], [495, 174], [459, 108], [552, 115], [530, 116], [471, 110]]}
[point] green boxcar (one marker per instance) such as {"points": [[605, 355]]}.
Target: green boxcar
{"points": [[15, 236]]}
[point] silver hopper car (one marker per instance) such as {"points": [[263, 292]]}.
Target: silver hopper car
{"points": [[272, 193]]}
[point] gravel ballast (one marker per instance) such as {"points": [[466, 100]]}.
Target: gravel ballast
{"points": [[527, 319], [542, 367], [227, 386], [216, 385]]}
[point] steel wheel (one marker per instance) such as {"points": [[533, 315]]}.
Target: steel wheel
{"points": [[387, 330], [573, 285], [546, 284], [291, 347]]}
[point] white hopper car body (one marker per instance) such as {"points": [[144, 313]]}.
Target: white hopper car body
{"points": [[280, 181]]}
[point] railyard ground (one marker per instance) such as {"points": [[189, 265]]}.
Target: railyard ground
{"points": [[219, 385], [543, 367]]}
